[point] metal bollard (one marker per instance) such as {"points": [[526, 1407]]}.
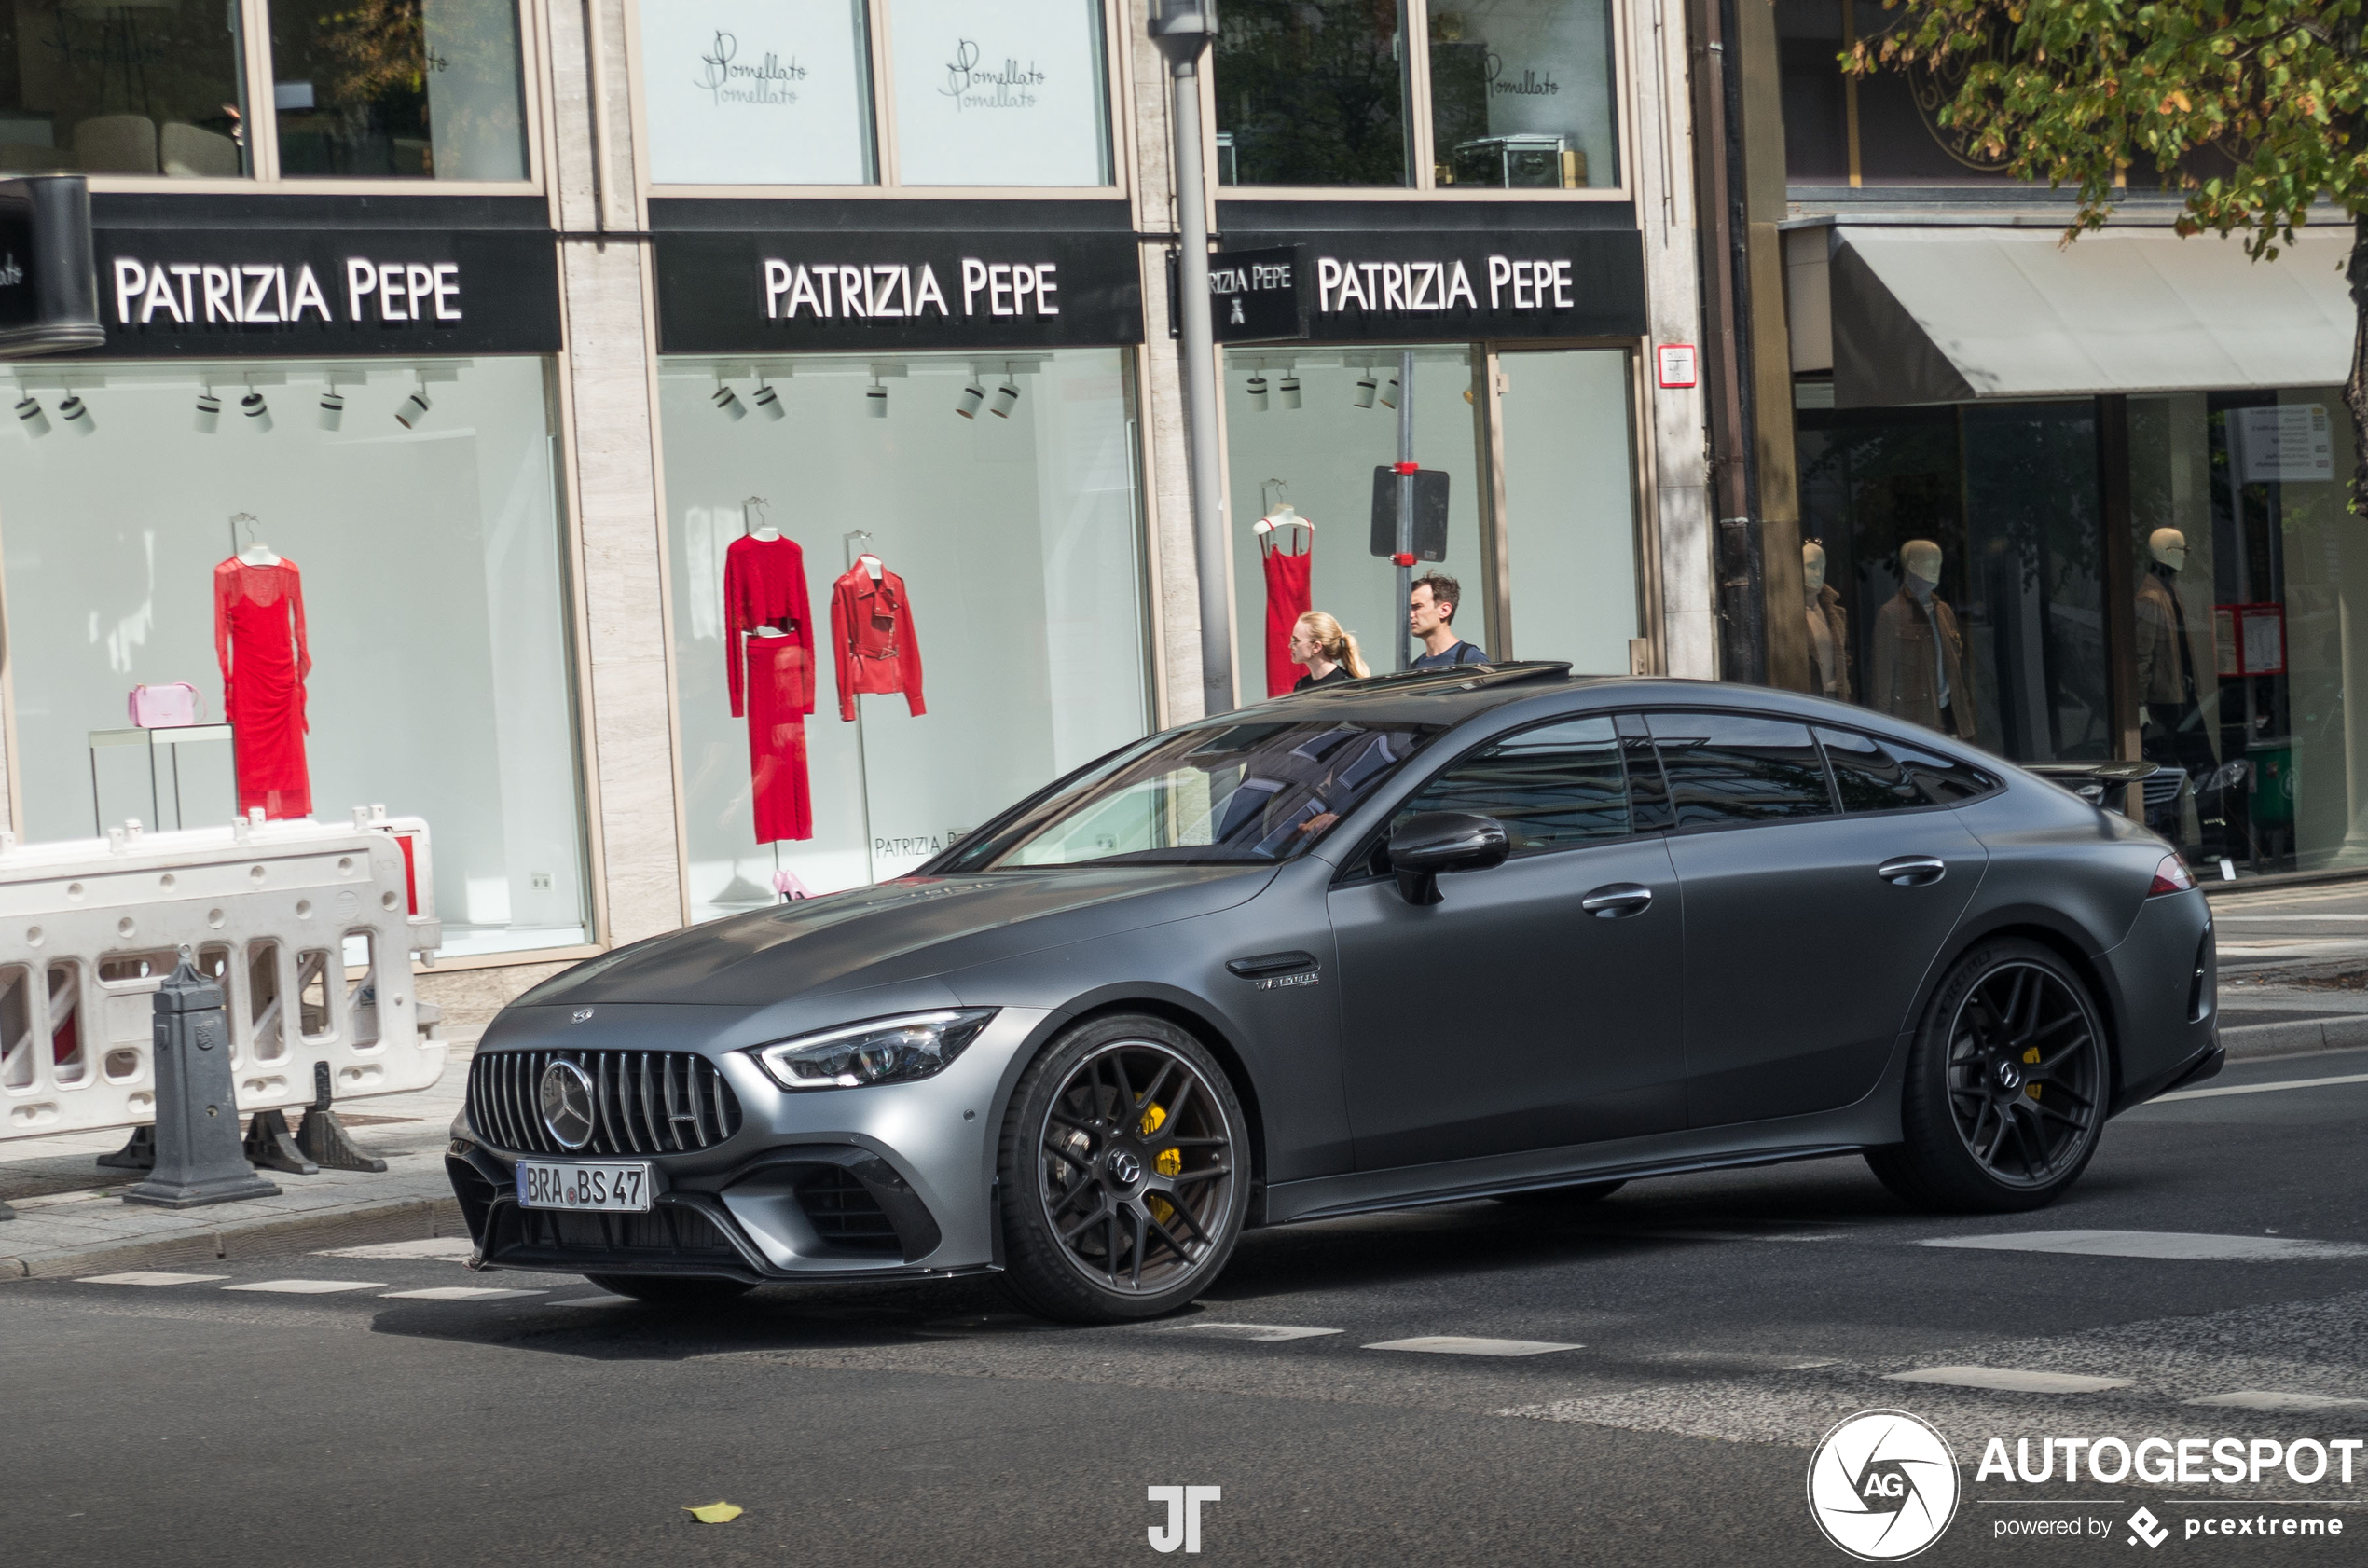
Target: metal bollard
{"points": [[199, 1159]]}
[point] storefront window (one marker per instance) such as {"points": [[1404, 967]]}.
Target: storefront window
{"points": [[742, 93], [901, 604], [1007, 94], [400, 89], [2250, 618], [123, 89], [1313, 92], [1955, 572], [1570, 506], [419, 571], [1521, 94]]}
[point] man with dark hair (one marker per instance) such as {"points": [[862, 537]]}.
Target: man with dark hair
{"points": [[1430, 615]]}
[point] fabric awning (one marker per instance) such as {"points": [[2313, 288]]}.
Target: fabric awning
{"points": [[1949, 315]]}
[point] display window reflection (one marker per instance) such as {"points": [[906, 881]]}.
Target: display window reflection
{"points": [[1003, 93], [1521, 94], [907, 593], [743, 93], [1313, 92], [413, 89], [146, 89], [371, 611]]}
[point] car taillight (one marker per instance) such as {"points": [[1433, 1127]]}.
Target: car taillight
{"points": [[2171, 876]]}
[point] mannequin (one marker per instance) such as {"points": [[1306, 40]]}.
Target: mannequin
{"points": [[1829, 627], [1288, 593], [2174, 683], [1918, 656], [265, 656], [769, 663]]}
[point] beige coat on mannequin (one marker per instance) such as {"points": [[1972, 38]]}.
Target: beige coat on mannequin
{"points": [[1900, 679]]}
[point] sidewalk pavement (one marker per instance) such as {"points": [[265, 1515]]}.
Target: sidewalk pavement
{"points": [[71, 1218]]}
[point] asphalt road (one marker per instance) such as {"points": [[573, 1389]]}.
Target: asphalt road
{"points": [[1716, 1326]]}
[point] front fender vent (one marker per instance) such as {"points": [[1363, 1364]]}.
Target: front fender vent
{"points": [[643, 1102]]}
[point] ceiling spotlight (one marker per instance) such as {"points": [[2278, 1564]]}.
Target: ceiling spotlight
{"points": [[1287, 390], [413, 411], [769, 401], [875, 400], [727, 403], [1258, 393], [209, 415], [332, 408], [1389, 393], [76, 415], [1365, 390], [258, 412], [30, 419], [1007, 397], [968, 403]]}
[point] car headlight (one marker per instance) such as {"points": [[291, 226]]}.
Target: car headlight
{"points": [[884, 1051]]}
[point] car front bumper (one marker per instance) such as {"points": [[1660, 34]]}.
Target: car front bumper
{"points": [[892, 1180]]}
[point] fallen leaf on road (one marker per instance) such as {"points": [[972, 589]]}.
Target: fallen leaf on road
{"points": [[714, 1513]]}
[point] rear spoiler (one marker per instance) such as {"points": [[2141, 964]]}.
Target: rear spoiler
{"points": [[2092, 781]]}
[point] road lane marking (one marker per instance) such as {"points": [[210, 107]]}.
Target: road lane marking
{"points": [[458, 1293], [2012, 1380], [309, 1287], [2273, 1399], [433, 1247], [1737, 1235], [2157, 1244], [593, 1302], [2282, 918], [1265, 1333], [2257, 1088], [149, 1278], [1460, 1344]]}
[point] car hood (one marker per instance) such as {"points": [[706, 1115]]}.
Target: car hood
{"points": [[900, 930]]}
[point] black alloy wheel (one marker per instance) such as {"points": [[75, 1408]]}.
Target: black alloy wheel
{"points": [[2007, 1085], [674, 1290], [1126, 1172]]}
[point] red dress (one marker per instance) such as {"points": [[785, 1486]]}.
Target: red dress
{"points": [[771, 677], [871, 626], [1287, 600], [780, 694], [258, 639]]}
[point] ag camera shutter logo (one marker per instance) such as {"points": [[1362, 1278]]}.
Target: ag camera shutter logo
{"points": [[1883, 1486]]}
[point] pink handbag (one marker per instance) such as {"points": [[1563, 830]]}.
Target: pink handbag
{"points": [[164, 708]]}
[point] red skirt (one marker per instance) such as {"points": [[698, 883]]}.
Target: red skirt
{"points": [[782, 798], [1287, 600]]}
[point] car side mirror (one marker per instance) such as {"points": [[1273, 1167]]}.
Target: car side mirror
{"points": [[1421, 847]]}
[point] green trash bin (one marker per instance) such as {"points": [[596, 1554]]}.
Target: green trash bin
{"points": [[2271, 790]]}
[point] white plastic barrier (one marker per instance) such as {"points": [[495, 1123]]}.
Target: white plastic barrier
{"points": [[309, 926]]}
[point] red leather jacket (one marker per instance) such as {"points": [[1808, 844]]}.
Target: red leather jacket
{"points": [[871, 626]]}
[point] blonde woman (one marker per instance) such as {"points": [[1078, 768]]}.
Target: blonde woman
{"points": [[1327, 649]]}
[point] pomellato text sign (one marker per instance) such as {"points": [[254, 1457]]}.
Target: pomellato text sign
{"points": [[771, 293], [304, 292]]}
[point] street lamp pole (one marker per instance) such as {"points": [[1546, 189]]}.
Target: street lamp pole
{"points": [[1184, 30]]}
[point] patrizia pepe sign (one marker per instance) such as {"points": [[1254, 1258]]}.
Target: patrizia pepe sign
{"points": [[738, 293]]}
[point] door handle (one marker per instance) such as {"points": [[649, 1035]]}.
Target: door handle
{"points": [[1912, 871], [1614, 901]]}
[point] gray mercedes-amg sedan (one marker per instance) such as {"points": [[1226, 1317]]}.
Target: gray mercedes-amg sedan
{"points": [[1476, 933]]}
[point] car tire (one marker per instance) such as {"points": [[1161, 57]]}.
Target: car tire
{"points": [[2008, 1084], [673, 1290], [1561, 1197], [1125, 1167]]}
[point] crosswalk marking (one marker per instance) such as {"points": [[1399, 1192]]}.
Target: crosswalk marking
{"points": [[435, 1248], [2256, 1088], [2158, 1244], [146, 1277], [1460, 1344], [309, 1287], [2273, 1399], [2013, 1379], [457, 1293], [1265, 1333]]}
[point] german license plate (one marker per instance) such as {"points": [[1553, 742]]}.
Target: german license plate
{"points": [[614, 1189]]}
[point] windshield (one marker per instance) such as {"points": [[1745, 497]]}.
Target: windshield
{"points": [[1225, 793]]}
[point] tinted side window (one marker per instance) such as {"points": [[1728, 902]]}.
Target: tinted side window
{"points": [[1943, 781], [1867, 777], [1647, 792], [1725, 768], [1553, 788]]}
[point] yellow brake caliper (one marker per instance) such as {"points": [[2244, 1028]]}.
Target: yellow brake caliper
{"points": [[1169, 1161], [2032, 1057]]}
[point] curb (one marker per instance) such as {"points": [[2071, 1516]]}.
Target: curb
{"points": [[394, 1220], [2298, 1038]]}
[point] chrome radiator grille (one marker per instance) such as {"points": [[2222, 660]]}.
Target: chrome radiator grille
{"points": [[643, 1102]]}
